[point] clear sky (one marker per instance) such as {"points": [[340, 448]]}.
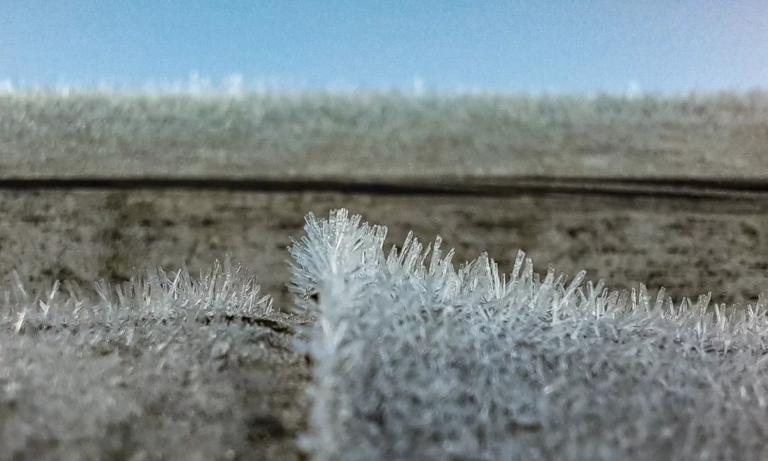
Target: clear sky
{"points": [[444, 45]]}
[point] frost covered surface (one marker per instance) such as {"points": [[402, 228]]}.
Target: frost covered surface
{"points": [[381, 136], [167, 366], [415, 359]]}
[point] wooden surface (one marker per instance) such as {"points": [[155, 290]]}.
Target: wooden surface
{"points": [[688, 245], [668, 193], [383, 138]]}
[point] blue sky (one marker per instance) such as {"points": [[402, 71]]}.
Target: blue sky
{"points": [[557, 46]]}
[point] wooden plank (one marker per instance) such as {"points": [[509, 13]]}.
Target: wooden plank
{"points": [[688, 245], [372, 138]]}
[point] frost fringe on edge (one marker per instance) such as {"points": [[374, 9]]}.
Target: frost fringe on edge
{"points": [[225, 293]]}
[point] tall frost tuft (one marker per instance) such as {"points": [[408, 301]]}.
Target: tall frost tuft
{"points": [[416, 359]]}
